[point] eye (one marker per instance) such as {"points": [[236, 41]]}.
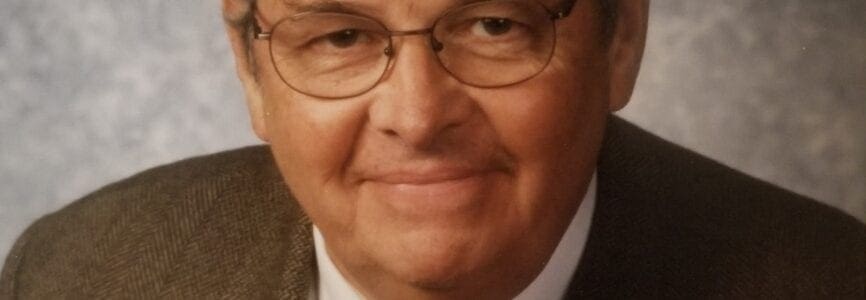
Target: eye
{"points": [[492, 26], [343, 39]]}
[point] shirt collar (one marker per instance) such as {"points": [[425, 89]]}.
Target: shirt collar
{"points": [[554, 279], [332, 285], [551, 283]]}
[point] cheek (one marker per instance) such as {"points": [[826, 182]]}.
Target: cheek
{"points": [[553, 126], [557, 115], [312, 141], [317, 137]]}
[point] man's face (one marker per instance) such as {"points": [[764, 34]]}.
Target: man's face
{"points": [[428, 180]]}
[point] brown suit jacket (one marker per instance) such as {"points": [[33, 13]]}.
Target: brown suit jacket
{"points": [[668, 224]]}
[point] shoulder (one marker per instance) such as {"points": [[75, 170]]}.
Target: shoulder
{"points": [[688, 217], [173, 219], [648, 170]]}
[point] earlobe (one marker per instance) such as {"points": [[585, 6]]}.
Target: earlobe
{"points": [[241, 50], [626, 50]]}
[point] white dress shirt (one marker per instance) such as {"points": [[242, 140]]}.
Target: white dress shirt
{"points": [[551, 283]]}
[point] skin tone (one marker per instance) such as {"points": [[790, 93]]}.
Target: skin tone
{"points": [[427, 188]]}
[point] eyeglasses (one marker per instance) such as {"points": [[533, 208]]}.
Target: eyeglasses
{"points": [[486, 44]]}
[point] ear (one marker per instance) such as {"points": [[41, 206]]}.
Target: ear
{"points": [[626, 49], [234, 13]]}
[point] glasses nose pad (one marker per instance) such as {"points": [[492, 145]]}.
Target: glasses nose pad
{"points": [[436, 44], [389, 51]]}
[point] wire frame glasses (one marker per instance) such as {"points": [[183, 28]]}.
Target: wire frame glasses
{"points": [[485, 44]]}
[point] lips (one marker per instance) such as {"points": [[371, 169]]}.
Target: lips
{"points": [[431, 189], [426, 175]]}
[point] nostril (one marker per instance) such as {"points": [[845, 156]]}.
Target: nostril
{"points": [[390, 132]]}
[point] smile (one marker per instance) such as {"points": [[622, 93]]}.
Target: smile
{"points": [[433, 190], [427, 176]]}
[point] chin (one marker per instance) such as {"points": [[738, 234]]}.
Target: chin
{"points": [[437, 259]]}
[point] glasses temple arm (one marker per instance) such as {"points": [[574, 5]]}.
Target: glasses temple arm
{"points": [[258, 34]]}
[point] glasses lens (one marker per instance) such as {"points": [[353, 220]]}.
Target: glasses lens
{"points": [[496, 43], [329, 55]]}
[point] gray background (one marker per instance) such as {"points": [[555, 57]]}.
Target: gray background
{"points": [[94, 91]]}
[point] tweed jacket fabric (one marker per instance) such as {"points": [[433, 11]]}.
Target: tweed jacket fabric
{"points": [[668, 224]]}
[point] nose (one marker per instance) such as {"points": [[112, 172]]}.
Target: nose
{"points": [[418, 101]]}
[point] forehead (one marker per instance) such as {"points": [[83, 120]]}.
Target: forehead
{"points": [[411, 6]]}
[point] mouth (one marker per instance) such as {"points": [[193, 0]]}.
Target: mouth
{"points": [[426, 176], [432, 191]]}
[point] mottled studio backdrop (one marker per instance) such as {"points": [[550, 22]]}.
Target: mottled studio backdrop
{"points": [[92, 91]]}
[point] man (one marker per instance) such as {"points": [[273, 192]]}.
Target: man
{"points": [[440, 150]]}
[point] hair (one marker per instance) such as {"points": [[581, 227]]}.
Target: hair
{"points": [[239, 17]]}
